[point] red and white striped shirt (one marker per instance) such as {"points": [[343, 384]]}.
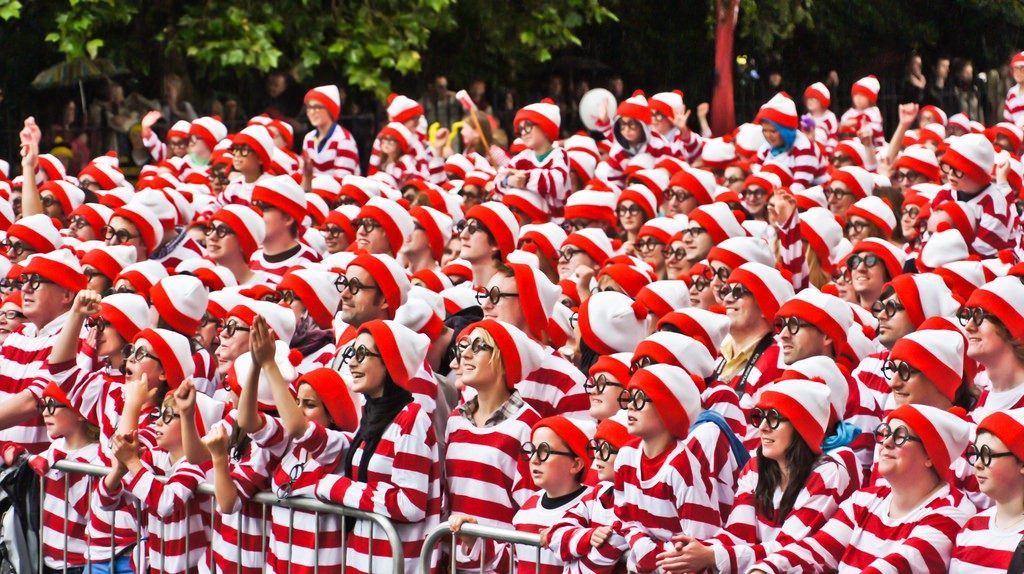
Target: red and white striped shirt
{"points": [[826, 130], [403, 169], [547, 176], [995, 206], [67, 513], [237, 192], [23, 357], [862, 538], [869, 374], [533, 517], [713, 450], [570, 537], [983, 547], [619, 158], [871, 116], [658, 498], [1013, 106], [749, 536], [803, 158], [486, 475], [403, 484], [990, 401], [275, 270], [334, 155], [686, 147], [556, 388]]}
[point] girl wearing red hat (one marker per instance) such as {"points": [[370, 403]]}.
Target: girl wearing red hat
{"points": [[995, 339], [11, 315], [787, 146], [398, 153], [329, 148], [908, 526], [786, 493], [989, 540]]}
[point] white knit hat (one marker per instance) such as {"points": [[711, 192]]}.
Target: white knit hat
{"points": [[544, 114], [719, 220], [973, 154], [824, 369], [804, 403], [781, 109], [209, 129], [858, 180], [242, 367], [280, 320], [403, 108], [941, 248], [661, 228], [593, 241], [668, 103], [520, 354], [359, 188], [919, 158], [823, 233], [38, 232], [867, 86], [611, 322], [315, 289], [499, 221], [180, 300], [664, 296], [174, 352], [329, 96], [284, 193], [736, 251], [642, 196], [679, 350], [143, 275], [1004, 298], [405, 349], [127, 312], [769, 287]]}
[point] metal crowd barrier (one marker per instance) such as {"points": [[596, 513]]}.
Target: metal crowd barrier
{"points": [[477, 531], [264, 498]]}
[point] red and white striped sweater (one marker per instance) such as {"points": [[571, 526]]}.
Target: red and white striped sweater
{"points": [[804, 159], [995, 206], [871, 116], [570, 537], [275, 270], [547, 176], [68, 513], [983, 547], [335, 155], [1013, 106], [556, 388]]}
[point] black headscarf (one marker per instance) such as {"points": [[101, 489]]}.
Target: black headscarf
{"points": [[378, 414]]}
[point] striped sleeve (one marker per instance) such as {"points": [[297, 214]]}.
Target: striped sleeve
{"points": [[165, 498], [1013, 106], [156, 148], [791, 250]]}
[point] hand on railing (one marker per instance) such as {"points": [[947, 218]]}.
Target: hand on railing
{"points": [[455, 522]]}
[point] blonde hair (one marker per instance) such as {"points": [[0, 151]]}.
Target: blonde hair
{"points": [[815, 272], [496, 362]]}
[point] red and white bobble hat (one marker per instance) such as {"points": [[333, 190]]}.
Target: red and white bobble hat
{"points": [[611, 322], [698, 182], [631, 275], [280, 320], [38, 232], [246, 223], [854, 150], [867, 86], [614, 431], [107, 176], [359, 188], [858, 180], [635, 107], [397, 223], [576, 433], [664, 296], [174, 352], [963, 277], [582, 142], [326, 187], [259, 139], [972, 154], [941, 248], [736, 251], [1007, 426], [808, 197], [932, 133], [95, 214], [502, 224], [674, 394], [545, 238], [875, 210], [769, 287], [180, 300], [401, 134], [593, 206], [60, 266], [315, 289], [530, 205], [316, 210], [52, 169], [390, 277], [892, 257], [960, 121], [921, 159], [708, 327], [208, 411], [593, 241], [457, 166], [823, 234], [655, 180], [432, 278], [939, 357], [924, 295], [717, 154], [719, 221], [1009, 131], [805, 404], [334, 393], [943, 434], [143, 275], [117, 197], [403, 108], [127, 312], [284, 193], [824, 369], [749, 137], [110, 260], [242, 367], [520, 354], [661, 229], [328, 96], [780, 109], [936, 112], [1004, 298], [828, 313], [209, 129], [544, 114], [615, 364], [679, 350], [214, 277], [69, 195], [820, 92], [582, 164], [396, 341], [437, 226], [668, 103], [964, 218], [537, 296], [151, 231], [642, 196]]}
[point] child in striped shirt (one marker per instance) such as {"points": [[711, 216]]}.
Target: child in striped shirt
{"points": [[988, 540]]}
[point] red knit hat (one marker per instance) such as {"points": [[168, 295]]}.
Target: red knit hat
{"points": [[867, 86], [805, 404], [674, 393], [939, 357], [390, 277], [209, 129], [315, 288], [127, 312], [576, 433], [593, 242], [437, 226], [334, 393], [401, 134], [107, 176], [665, 347], [615, 364], [174, 352], [667, 103], [781, 109], [736, 251], [943, 434], [699, 183], [359, 188], [69, 195], [544, 114], [180, 300], [537, 297], [142, 275], [593, 206], [664, 296], [614, 430], [611, 322], [719, 221], [924, 295], [972, 154], [819, 91], [632, 276], [708, 327], [858, 180], [635, 107], [395, 219], [151, 231], [329, 96], [259, 139], [891, 256], [875, 210], [502, 224], [921, 159], [769, 287], [820, 368], [403, 108], [542, 238], [60, 266], [1004, 298], [38, 231], [1007, 426], [282, 192], [405, 349], [520, 354], [247, 225]]}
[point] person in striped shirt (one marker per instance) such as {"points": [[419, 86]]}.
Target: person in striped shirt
{"points": [[1013, 105], [329, 149], [988, 541], [283, 205], [788, 491], [907, 526]]}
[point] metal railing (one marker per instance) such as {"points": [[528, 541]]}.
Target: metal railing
{"points": [[265, 499], [477, 531]]}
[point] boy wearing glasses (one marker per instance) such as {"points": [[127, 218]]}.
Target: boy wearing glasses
{"points": [[328, 149], [283, 204], [541, 167], [660, 489]]}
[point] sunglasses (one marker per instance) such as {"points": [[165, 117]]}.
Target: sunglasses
{"points": [[753, 193], [474, 226], [734, 290], [901, 175]]}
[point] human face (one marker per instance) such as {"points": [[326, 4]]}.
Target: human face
{"points": [[221, 242], [675, 259], [755, 199], [907, 461], [916, 389], [643, 422], [168, 434], [577, 257], [678, 201], [960, 181], [507, 309], [469, 135], [868, 280], [80, 229], [839, 197], [367, 375], [775, 442], [907, 178], [808, 341], [123, 232], [245, 160], [857, 229], [17, 250], [51, 205], [697, 242], [232, 346], [861, 102], [771, 135], [208, 332], [734, 177], [44, 303], [11, 317], [277, 223], [661, 123], [652, 251], [631, 216], [478, 369], [317, 114], [311, 406], [908, 220], [604, 390], [984, 342], [63, 421], [367, 304], [742, 312], [719, 276], [1002, 480], [471, 195], [417, 242], [701, 294], [452, 250], [147, 364], [476, 244], [605, 468], [389, 147], [559, 469], [198, 148], [108, 341], [893, 321], [632, 131]]}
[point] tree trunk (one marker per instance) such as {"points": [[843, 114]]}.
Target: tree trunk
{"points": [[723, 108]]}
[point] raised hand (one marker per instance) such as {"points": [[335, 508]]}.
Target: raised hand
{"points": [[216, 441], [150, 119], [185, 397], [261, 344]]}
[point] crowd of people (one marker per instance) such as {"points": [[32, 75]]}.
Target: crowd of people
{"points": [[795, 347]]}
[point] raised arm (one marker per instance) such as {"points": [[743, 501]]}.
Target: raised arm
{"points": [[30, 135], [65, 345], [185, 400], [262, 347]]}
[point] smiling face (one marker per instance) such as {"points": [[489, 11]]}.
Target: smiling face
{"points": [[985, 343], [697, 242], [909, 460], [484, 368], [775, 442], [1004, 479], [892, 328], [366, 305], [367, 375], [918, 390], [507, 309], [222, 248], [605, 404], [231, 347]]}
